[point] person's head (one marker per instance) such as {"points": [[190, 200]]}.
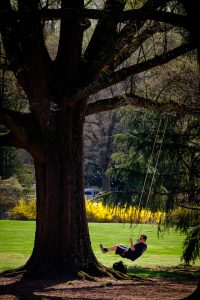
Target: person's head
{"points": [[143, 238]]}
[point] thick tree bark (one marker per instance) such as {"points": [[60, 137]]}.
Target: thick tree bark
{"points": [[62, 240]]}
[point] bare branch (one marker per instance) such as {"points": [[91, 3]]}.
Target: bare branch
{"points": [[110, 48], [128, 45], [137, 102], [118, 76]]}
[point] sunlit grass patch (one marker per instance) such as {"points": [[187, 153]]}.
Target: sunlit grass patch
{"points": [[17, 237]]}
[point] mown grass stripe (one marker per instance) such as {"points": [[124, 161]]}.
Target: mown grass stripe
{"points": [[16, 242]]}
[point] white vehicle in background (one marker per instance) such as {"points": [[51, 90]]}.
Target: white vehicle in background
{"points": [[90, 193]]}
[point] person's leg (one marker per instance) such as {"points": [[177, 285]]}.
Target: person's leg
{"points": [[113, 248], [104, 249]]}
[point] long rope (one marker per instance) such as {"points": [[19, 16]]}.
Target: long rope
{"points": [[148, 165], [150, 159], [155, 168], [158, 157]]}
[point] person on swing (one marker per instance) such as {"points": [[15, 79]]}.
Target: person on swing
{"points": [[132, 253]]}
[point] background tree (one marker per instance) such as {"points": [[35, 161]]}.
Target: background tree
{"points": [[10, 191], [170, 158], [7, 156], [11, 159], [58, 93], [99, 131]]}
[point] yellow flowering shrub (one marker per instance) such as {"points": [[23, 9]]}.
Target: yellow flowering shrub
{"points": [[24, 210], [96, 212]]}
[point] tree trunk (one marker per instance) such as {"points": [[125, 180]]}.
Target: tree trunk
{"points": [[62, 241], [195, 295], [105, 182]]}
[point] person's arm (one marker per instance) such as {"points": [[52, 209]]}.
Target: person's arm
{"points": [[131, 243]]}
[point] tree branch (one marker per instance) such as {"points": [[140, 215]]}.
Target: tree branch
{"points": [[24, 47], [118, 76], [127, 15], [102, 51], [129, 40], [8, 29], [13, 120], [128, 45], [114, 50], [20, 124], [24, 132], [35, 55], [110, 47], [8, 140], [68, 57], [138, 102], [188, 207], [101, 45]]}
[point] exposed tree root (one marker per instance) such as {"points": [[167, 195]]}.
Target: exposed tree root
{"points": [[99, 270], [11, 273], [119, 275], [91, 273], [84, 275]]}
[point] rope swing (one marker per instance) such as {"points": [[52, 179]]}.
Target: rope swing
{"points": [[154, 170]]}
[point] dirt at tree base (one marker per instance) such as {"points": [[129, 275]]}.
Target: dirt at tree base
{"points": [[13, 288]]}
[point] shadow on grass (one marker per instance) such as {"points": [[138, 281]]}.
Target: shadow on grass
{"points": [[166, 272]]}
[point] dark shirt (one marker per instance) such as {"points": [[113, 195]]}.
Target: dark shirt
{"points": [[134, 254]]}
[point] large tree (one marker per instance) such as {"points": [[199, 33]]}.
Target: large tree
{"points": [[58, 94]]}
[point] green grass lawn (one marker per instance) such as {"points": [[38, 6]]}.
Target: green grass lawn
{"points": [[16, 242]]}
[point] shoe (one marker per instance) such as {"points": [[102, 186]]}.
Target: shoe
{"points": [[103, 250]]}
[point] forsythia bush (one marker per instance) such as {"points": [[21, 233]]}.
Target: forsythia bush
{"points": [[24, 210], [96, 212], [102, 213]]}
